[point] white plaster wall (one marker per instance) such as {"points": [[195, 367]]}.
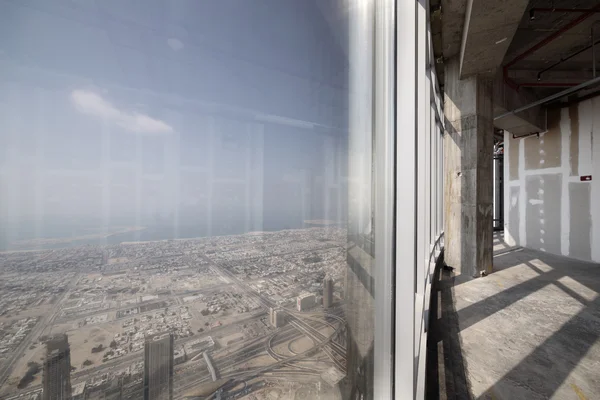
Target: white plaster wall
{"points": [[595, 170], [516, 198], [510, 201]]}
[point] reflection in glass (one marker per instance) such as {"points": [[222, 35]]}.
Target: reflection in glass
{"points": [[186, 199], [57, 369]]}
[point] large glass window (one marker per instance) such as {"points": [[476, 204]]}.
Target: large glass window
{"points": [[216, 198], [174, 197]]}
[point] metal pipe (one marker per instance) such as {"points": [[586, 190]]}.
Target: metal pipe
{"points": [[555, 35], [550, 98], [593, 94], [563, 59], [511, 83], [544, 42]]}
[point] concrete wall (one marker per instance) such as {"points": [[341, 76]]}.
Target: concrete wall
{"points": [[546, 205]]}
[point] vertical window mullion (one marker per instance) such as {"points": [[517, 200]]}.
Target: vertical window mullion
{"points": [[406, 218], [385, 142]]}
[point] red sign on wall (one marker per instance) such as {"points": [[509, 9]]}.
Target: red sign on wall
{"points": [[585, 178]]}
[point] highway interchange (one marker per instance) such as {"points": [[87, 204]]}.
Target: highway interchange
{"points": [[266, 354]]}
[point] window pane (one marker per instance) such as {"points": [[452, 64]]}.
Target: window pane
{"points": [[186, 199]]}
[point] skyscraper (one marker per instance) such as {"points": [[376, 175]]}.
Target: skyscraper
{"points": [[57, 369], [327, 292], [272, 316], [276, 317], [158, 368]]}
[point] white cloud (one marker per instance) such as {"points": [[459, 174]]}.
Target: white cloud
{"points": [[175, 44], [90, 103]]}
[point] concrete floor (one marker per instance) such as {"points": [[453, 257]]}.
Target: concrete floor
{"points": [[531, 329]]}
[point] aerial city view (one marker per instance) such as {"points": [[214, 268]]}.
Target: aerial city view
{"points": [[185, 200], [257, 315]]}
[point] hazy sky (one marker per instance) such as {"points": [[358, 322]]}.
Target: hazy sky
{"points": [[125, 112]]}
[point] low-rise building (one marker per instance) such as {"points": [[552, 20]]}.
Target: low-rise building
{"points": [[196, 346], [304, 301], [78, 392], [276, 317], [179, 356]]}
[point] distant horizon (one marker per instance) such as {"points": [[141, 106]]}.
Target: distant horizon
{"points": [[119, 234]]}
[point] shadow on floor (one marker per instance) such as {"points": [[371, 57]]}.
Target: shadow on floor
{"points": [[528, 331], [446, 377]]}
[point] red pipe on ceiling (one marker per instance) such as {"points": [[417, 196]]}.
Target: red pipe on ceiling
{"points": [[544, 42]]}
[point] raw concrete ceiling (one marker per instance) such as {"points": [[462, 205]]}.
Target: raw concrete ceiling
{"points": [[453, 19], [479, 32], [488, 31], [555, 61], [474, 30], [566, 44]]}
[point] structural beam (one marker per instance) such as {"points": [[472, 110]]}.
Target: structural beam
{"points": [[488, 30], [506, 99], [453, 18]]}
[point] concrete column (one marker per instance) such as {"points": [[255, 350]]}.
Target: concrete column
{"points": [[468, 180]]}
